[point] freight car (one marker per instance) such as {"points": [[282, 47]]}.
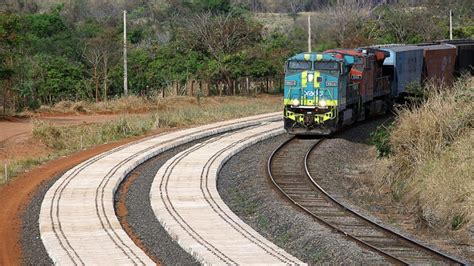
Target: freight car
{"points": [[404, 67], [438, 62], [465, 55], [326, 91]]}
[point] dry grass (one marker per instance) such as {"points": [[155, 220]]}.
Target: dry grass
{"points": [[172, 112], [67, 139], [430, 167]]}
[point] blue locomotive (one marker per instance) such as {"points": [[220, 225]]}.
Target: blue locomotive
{"points": [[326, 91]]}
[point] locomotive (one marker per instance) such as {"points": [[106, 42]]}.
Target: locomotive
{"points": [[326, 91]]}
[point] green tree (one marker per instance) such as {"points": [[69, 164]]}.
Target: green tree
{"points": [[9, 27], [214, 6], [62, 79]]}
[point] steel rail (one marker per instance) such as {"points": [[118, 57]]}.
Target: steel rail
{"points": [[329, 198], [372, 221], [282, 191]]}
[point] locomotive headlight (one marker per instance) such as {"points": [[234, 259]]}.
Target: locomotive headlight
{"points": [[310, 77], [296, 102], [322, 103]]}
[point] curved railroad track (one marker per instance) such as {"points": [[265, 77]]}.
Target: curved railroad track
{"points": [[294, 180]]}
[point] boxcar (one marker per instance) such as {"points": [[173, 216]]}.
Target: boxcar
{"points": [[404, 66]]}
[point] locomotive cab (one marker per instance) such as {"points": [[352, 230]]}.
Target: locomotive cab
{"points": [[314, 92]]}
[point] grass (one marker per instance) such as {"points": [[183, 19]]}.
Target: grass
{"points": [[283, 238], [263, 221], [16, 167], [316, 257], [381, 139], [246, 206], [430, 157], [172, 112], [67, 139]]}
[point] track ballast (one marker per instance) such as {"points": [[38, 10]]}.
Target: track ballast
{"points": [[294, 180]]}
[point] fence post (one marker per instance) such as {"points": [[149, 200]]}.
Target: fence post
{"points": [[247, 85], [6, 172]]}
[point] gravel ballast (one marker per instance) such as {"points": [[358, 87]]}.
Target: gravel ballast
{"points": [[142, 219], [33, 250], [244, 186]]}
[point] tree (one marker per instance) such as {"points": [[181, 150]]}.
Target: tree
{"points": [[9, 27], [294, 7], [405, 24], [213, 6], [343, 24], [219, 38], [61, 78]]}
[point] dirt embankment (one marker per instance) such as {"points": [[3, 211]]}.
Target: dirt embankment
{"points": [[16, 194], [16, 143]]}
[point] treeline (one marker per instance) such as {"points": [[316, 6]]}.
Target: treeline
{"points": [[45, 58], [198, 47]]}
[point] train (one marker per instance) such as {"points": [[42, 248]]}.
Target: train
{"points": [[326, 91]]}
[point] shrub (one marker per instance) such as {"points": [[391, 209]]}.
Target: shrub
{"points": [[430, 167], [381, 139]]}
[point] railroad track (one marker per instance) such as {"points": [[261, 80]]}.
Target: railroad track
{"points": [[294, 180]]}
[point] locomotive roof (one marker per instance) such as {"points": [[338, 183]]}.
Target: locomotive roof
{"points": [[315, 57], [379, 54]]}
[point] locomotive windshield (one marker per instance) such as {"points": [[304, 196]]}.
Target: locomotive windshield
{"points": [[298, 66], [326, 65]]}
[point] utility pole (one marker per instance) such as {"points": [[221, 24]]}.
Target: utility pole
{"points": [[125, 75], [450, 24], [309, 33]]}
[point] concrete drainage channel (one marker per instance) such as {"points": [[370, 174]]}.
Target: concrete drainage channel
{"points": [[77, 220]]}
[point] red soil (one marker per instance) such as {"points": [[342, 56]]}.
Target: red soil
{"points": [[16, 140], [15, 195]]}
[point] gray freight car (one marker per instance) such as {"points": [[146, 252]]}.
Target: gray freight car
{"points": [[404, 66]]}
